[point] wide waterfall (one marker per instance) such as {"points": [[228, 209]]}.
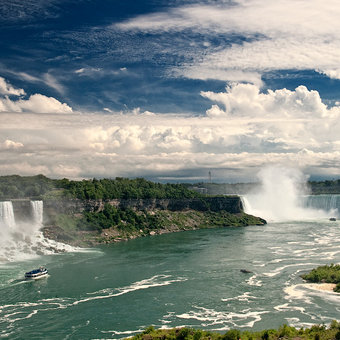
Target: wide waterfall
{"points": [[324, 202], [21, 238]]}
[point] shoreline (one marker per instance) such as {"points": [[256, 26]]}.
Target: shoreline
{"points": [[328, 287]]}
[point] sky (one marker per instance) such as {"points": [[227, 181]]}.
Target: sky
{"points": [[169, 90]]}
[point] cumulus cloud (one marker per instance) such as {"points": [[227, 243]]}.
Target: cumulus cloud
{"points": [[8, 89], [282, 34], [244, 131], [35, 103], [9, 144], [246, 99]]}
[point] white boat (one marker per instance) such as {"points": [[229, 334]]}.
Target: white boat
{"points": [[36, 274]]}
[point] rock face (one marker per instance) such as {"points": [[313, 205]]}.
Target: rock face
{"points": [[231, 204], [23, 210]]}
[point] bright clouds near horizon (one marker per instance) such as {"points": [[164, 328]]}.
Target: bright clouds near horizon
{"points": [[246, 100], [244, 131], [36, 103], [277, 35]]}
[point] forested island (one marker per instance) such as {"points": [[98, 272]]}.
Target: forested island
{"points": [[95, 211], [325, 274]]}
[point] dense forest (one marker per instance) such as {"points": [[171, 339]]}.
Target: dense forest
{"points": [[12, 187]]}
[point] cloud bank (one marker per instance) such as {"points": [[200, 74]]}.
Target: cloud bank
{"points": [[243, 131]]}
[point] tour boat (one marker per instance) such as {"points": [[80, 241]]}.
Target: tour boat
{"points": [[36, 274]]}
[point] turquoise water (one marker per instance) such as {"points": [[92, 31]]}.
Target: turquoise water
{"points": [[190, 278]]}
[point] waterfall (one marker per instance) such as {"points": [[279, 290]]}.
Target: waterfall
{"points": [[21, 238], [37, 212], [306, 207], [324, 202], [280, 197], [7, 215]]}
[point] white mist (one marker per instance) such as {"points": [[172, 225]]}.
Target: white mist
{"points": [[279, 197]]}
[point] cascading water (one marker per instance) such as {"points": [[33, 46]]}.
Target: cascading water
{"points": [[21, 240], [6, 215], [325, 202], [281, 197], [37, 211]]}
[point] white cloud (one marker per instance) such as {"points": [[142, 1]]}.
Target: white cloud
{"points": [[248, 130], [8, 89], [282, 34], [37, 103], [9, 144], [246, 100], [52, 82], [47, 79]]}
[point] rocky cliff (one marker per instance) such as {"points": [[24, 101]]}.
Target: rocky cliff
{"points": [[231, 204]]}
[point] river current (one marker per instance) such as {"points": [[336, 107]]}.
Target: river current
{"points": [[190, 278]]}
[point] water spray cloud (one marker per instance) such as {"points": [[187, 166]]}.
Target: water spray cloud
{"points": [[280, 196]]}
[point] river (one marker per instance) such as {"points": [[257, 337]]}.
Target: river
{"points": [[190, 278]]}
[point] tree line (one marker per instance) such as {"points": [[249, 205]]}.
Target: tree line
{"points": [[12, 187]]}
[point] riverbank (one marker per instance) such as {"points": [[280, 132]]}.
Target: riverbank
{"points": [[284, 332], [329, 287], [69, 228]]}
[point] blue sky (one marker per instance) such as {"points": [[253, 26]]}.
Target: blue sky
{"points": [[169, 90]]}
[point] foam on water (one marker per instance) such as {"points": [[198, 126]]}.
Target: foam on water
{"points": [[25, 310], [226, 320], [155, 281], [244, 297]]}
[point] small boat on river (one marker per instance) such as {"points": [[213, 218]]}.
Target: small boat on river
{"points": [[36, 274]]}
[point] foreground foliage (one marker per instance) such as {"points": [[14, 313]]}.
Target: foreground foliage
{"points": [[327, 274], [317, 332]]}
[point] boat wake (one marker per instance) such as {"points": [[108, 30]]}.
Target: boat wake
{"points": [[12, 313]]}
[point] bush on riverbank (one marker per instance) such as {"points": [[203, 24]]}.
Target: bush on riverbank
{"points": [[326, 274], [317, 332]]}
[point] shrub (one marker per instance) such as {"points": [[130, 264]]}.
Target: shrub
{"points": [[232, 334]]}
